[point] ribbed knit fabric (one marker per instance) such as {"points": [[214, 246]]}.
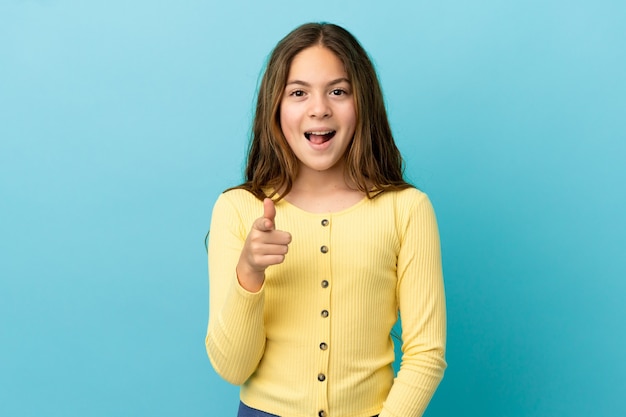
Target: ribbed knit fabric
{"points": [[315, 340]]}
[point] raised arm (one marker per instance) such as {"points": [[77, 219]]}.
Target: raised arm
{"points": [[235, 338]]}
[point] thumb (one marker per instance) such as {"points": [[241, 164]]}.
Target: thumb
{"points": [[269, 212]]}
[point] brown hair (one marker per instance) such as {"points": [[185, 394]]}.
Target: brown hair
{"points": [[373, 161]]}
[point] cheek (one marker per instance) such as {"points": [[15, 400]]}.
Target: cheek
{"points": [[350, 119], [349, 114], [287, 121]]}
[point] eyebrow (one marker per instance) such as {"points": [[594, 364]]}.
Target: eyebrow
{"points": [[333, 82]]}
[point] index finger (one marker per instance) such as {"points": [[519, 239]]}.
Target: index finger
{"points": [[269, 210]]}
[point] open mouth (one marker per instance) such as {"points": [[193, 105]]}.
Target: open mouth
{"points": [[319, 137]]}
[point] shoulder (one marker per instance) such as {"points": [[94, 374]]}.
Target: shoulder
{"points": [[237, 202], [411, 208], [238, 196], [406, 199]]}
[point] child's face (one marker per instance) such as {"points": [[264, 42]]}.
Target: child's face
{"points": [[317, 112]]}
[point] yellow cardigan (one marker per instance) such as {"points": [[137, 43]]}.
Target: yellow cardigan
{"points": [[315, 340]]}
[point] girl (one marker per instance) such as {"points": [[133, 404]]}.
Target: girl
{"points": [[313, 257]]}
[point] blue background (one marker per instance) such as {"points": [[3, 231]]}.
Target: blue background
{"points": [[121, 122]]}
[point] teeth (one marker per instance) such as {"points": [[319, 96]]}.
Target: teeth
{"points": [[328, 132], [319, 133]]}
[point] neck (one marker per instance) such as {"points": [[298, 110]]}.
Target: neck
{"points": [[323, 191], [321, 182]]}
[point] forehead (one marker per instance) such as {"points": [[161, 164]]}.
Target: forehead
{"points": [[316, 63]]}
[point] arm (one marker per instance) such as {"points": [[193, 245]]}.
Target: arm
{"points": [[236, 336], [237, 261], [422, 310]]}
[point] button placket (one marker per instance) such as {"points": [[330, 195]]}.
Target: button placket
{"points": [[323, 342]]}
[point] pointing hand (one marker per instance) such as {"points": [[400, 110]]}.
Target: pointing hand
{"points": [[264, 246]]}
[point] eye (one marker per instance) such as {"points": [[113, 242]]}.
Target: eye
{"points": [[338, 92], [297, 93]]}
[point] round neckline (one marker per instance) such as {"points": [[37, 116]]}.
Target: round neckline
{"points": [[327, 213]]}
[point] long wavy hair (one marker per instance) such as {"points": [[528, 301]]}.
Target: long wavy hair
{"points": [[372, 162]]}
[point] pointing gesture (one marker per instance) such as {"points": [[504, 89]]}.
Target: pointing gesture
{"points": [[264, 246]]}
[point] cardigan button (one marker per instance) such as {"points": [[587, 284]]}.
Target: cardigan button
{"points": [[324, 249], [322, 413], [324, 284], [321, 377], [324, 313], [325, 222], [323, 346]]}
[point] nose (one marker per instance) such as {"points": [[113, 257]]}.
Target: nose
{"points": [[319, 107]]}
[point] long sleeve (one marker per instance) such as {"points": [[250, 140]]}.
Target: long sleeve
{"points": [[421, 302], [315, 339], [235, 338]]}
